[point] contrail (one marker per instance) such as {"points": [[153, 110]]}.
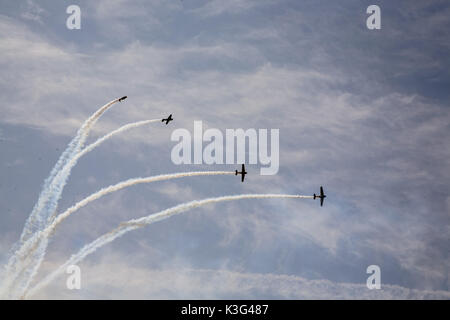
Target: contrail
{"points": [[134, 224], [33, 244], [38, 217], [64, 174], [36, 220]]}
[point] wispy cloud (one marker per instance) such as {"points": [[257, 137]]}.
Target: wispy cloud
{"points": [[114, 279], [364, 114], [32, 11], [217, 7]]}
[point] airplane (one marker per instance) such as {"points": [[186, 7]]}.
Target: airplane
{"points": [[169, 118], [243, 173], [123, 98], [322, 196]]}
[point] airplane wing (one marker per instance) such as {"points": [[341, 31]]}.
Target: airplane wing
{"points": [[321, 202]]}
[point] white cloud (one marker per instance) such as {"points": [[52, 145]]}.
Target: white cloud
{"points": [[217, 7], [114, 279], [378, 151], [32, 11]]}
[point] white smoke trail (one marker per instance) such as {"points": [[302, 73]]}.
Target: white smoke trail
{"points": [[65, 172], [14, 287], [133, 224], [57, 188], [37, 218], [32, 246], [46, 204]]}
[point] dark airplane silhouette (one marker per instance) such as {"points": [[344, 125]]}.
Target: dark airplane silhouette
{"points": [[168, 119], [322, 196], [123, 98], [243, 173]]}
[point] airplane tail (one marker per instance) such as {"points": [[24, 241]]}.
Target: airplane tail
{"points": [[314, 196], [236, 173]]}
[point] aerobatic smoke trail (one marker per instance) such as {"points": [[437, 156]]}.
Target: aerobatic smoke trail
{"points": [[45, 204], [64, 175], [33, 244], [37, 218], [133, 224], [65, 172], [19, 282]]}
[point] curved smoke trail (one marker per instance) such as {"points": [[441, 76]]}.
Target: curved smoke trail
{"points": [[37, 218], [133, 224], [65, 172], [32, 246], [60, 180]]}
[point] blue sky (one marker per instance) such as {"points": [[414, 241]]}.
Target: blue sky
{"points": [[362, 112]]}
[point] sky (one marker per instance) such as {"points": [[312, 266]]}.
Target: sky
{"points": [[365, 113]]}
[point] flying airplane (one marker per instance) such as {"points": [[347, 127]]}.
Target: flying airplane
{"points": [[243, 173], [123, 98], [169, 118], [322, 196]]}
